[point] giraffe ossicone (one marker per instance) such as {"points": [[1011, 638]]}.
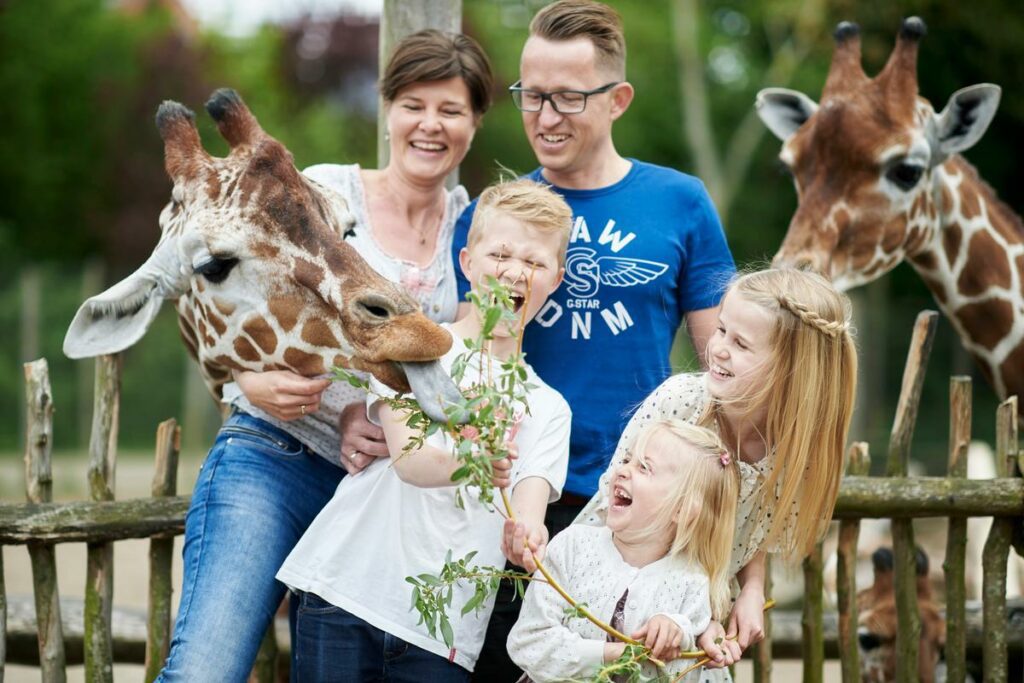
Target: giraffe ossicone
{"points": [[254, 254], [879, 180]]}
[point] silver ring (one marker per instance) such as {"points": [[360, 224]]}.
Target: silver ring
{"points": [[352, 455]]}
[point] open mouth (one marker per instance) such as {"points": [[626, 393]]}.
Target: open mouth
{"points": [[720, 372], [621, 497], [553, 139], [428, 146], [518, 300]]}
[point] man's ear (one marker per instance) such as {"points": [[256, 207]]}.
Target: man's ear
{"points": [[622, 97]]}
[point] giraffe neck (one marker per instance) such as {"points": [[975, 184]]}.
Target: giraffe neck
{"points": [[973, 262]]}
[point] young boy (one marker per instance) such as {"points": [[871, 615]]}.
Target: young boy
{"points": [[399, 518]]}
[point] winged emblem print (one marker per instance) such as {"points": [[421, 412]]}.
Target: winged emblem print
{"points": [[585, 274]]}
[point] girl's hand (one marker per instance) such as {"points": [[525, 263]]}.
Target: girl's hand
{"points": [[722, 652], [281, 393], [662, 636], [746, 622], [524, 547], [613, 651], [501, 477]]}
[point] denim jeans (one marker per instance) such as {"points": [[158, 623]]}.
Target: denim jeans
{"points": [[257, 491], [332, 645]]}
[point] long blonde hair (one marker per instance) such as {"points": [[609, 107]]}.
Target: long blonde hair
{"points": [[702, 507], [808, 392]]}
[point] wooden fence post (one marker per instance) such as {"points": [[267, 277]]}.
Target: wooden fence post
{"points": [[763, 654], [858, 463], [996, 554], [3, 619], [161, 552], [908, 633], [99, 583], [813, 619], [956, 541], [39, 489]]}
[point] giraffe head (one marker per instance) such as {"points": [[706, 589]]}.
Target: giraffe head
{"points": [[253, 252], [865, 159]]}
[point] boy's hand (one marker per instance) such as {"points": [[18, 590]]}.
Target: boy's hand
{"points": [[361, 441], [746, 622], [501, 476], [613, 651], [282, 394], [722, 652], [521, 545], [662, 636]]}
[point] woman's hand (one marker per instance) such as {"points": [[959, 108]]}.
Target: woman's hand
{"points": [[722, 652], [522, 546], [282, 394], [746, 622], [662, 636], [362, 442]]}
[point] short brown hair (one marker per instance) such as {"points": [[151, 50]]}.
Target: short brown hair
{"points": [[533, 203], [431, 55], [599, 23]]}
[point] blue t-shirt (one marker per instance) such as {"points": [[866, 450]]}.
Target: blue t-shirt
{"points": [[642, 253]]}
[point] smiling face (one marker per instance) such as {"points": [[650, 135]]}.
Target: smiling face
{"points": [[739, 351], [518, 255], [430, 126], [571, 147], [643, 482]]}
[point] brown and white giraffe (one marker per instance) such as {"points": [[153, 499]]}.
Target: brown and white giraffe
{"points": [[254, 254], [880, 180]]}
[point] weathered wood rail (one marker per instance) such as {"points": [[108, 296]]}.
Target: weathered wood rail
{"points": [[60, 632]]}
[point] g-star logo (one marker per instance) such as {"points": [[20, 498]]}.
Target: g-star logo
{"points": [[584, 274]]}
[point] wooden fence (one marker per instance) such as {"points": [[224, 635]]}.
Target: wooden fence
{"points": [[41, 524]]}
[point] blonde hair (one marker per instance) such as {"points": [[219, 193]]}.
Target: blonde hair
{"points": [[595, 21], [702, 506], [808, 391], [528, 201]]}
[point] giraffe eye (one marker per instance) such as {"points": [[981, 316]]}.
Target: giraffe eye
{"points": [[216, 270], [905, 175]]}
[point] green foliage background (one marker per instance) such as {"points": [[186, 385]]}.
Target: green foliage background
{"points": [[82, 183]]}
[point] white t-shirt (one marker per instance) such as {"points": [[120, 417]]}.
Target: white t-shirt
{"points": [[377, 530], [551, 646]]}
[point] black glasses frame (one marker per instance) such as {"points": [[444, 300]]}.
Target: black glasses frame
{"points": [[516, 90]]}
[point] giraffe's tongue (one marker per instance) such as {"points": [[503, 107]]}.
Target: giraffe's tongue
{"points": [[434, 389]]}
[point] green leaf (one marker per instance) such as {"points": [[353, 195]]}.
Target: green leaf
{"points": [[446, 632]]}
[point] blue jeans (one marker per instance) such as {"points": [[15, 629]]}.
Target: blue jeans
{"points": [[257, 491], [334, 645]]}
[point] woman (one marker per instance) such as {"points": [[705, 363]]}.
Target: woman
{"points": [[279, 456]]}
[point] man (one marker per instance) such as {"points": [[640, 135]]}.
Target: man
{"points": [[646, 252]]}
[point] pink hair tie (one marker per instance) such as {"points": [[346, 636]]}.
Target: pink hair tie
{"points": [[724, 459]]}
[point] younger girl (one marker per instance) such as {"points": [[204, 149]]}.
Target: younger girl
{"points": [[656, 570], [780, 392]]}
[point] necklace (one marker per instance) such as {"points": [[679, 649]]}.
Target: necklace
{"points": [[426, 229]]}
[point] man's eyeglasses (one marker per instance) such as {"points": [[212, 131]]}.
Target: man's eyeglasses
{"points": [[562, 101]]}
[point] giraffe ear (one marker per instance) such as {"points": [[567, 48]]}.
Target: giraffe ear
{"points": [[784, 110], [966, 117], [119, 317]]}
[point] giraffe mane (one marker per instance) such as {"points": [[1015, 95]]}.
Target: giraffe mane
{"points": [[996, 205]]}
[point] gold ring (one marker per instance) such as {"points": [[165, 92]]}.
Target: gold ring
{"points": [[302, 408]]}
